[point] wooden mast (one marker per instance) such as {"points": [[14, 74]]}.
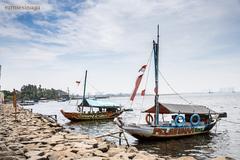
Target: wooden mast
{"points": [[85, 84], [156, 57]]}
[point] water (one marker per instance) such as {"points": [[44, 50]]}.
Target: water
{"points": [[224, 138]]}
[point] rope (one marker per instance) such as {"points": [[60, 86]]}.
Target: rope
{"points": [[149, 62], [93, 87], [173, 90]]}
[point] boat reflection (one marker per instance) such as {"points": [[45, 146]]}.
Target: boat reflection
{"points": [[196, 146]]}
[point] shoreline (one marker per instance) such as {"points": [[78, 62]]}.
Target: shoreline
{"points": [[33, 136]]}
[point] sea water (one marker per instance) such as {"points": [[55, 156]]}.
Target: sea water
{"points": [[223, 139]]}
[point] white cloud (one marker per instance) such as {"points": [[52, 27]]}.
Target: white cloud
{"points": [[123, 30]]}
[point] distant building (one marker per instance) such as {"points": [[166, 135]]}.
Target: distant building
{"points": [[1, 98]]}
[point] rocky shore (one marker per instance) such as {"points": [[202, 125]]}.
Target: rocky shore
{"points": [[32, 136]]}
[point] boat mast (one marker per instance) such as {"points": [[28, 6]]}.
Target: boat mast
{"points": [[156, 57], [85, 84]]}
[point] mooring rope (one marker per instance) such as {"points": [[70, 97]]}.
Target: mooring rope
{"points": [[173, 90]]}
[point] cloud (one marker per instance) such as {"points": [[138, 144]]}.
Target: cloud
{"points": [[119, 34]]}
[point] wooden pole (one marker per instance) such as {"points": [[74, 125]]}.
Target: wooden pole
{"points": [[15, 103]]}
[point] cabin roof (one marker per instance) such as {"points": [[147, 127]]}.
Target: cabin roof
{"points": [[166, 108], [99, 104]]}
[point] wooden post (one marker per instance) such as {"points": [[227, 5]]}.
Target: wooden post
{"points": [[15, 103], [120, 138]]}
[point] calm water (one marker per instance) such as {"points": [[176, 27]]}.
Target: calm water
{"points": [[224, 138]]}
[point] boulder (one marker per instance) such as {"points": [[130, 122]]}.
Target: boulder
{"points": [[223, 158], [103, 147], [99, 153], [59, 147], [142, 155], [30, 154], [3, 147], [113, 151], [186, 158], [38, 158], [83, 151], [81, 145], [132, 149]]}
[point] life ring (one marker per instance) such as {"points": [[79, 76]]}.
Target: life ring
{"points": [[149, 118], [180, 124], [193, 118]]}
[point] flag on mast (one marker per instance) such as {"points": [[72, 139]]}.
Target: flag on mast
{"points": [[78, 82], [137, 83]]}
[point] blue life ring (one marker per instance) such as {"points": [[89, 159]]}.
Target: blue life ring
{"points": [[180, 124], [198, 119]]}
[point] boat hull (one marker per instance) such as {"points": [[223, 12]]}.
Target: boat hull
{"points": [[77, 116], [146, 132]]}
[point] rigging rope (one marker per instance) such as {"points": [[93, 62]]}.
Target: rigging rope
{"points": [[173, 90], [149, 62]]}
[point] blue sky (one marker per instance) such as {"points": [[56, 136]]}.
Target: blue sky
{"points": [[53, 46]]}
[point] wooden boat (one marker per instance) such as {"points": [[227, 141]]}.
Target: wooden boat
{"points": [[185, 120], [93, 109]]}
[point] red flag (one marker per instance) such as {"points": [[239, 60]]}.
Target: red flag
{"points": [[78, 82], [143, 68], [143, 92], [137, 83]]}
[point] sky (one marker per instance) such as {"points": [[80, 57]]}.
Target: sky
{"points": [[54, 44]]}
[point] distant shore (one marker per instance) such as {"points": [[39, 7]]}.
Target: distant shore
{"points": [[33, 136]]}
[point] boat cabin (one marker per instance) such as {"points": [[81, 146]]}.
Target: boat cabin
{"points": [[94, 105], [182, 115]]}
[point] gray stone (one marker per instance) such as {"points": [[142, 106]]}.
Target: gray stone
{"points": [[3, 147], [113, 151], [103, 147], [132, 150], [38, 158], [34, 153], [99, 153], [9, 158], [7, 153]]}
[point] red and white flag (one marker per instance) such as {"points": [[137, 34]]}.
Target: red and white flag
{"points": [[78, 82], [143, 68], [137, 83], [143, 92]]}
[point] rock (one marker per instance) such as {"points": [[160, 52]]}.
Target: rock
{"points": [[84, 151], [92, 142], [113, 151], [82, 146], [38, 158], [34, 153], [132, 149], [9, 158], [15, 147], [142, 155], [92, 158], [122, 156], [103, 147], [3, 147], [223, 158], [7, 153], [186, 158], [99, 153], [59, 147]]}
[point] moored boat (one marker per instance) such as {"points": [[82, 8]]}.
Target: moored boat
{"points": [[183, 119], [93, 109]]}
